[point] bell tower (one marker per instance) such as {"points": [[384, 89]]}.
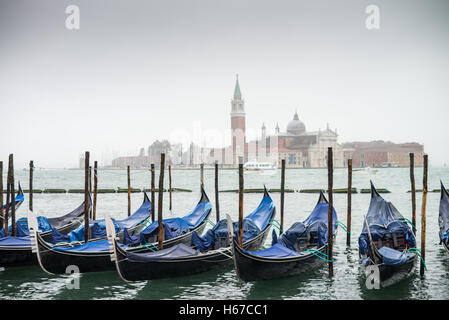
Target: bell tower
{"points": [[238, 125]]}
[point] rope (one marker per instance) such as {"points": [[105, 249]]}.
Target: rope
{"points": [[213, 224], [315, 252], [408, 221], [146, 246], [344, 227], [418, 252], [274, 225]]}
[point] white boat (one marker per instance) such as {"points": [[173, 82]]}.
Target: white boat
{"points": [[259, 166], [367, 170]]}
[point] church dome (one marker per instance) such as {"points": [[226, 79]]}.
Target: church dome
{"points": [[296, 126]]}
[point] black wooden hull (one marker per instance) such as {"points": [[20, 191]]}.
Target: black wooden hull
{"points": [[138, 271], [392, 274], [56, 262], [250, 267], [15, 256]]}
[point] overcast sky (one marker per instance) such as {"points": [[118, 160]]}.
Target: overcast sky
{"points": [[137, 71]]}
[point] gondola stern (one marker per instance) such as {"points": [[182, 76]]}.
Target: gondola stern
{"points": [[36, 239], [444, 192], [145, 197], [204, 197], [374, 192], [322, 198]]}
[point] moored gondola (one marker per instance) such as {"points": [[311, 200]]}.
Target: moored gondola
{"points": [[301, 248], [387, 244], [205, 253], [19, 198], [93, 256], [443, 218], [17, 251]]}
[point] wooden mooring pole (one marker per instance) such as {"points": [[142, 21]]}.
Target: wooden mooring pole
{"points": [[13, 197], [412, 181], [423, 216], [282, 194], [169, 187], [94, 216], [152, 193], [8, 200], [86, 196], [160, 202], [202, 174], [330, 235], [348, 219], [217, 204], [241, 205], [129, 191], [30, 196]]}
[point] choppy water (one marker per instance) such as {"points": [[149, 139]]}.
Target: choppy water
{"points": [[347, 283]]}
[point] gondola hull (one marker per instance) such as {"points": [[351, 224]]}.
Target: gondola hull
{"points": [[137, 271], [56, 261], [16, 256], [250, 267], [392, 274]]}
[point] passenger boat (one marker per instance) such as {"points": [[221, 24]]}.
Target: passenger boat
{"points": [[301, 248], [93, 256], [205, 253], [259, 166], [387, 244]]}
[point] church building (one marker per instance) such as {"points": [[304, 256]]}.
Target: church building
{"points": [[300, 148]]}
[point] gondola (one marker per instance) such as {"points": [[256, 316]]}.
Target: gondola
{"points": [[93, 256], [17, 251], [18, 200], [302, 247], [443, 218], [205, 253], [387, 244]]}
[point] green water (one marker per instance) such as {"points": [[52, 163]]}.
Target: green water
{"points": [[347, 283]]}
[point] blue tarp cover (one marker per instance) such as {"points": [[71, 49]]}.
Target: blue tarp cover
{"points": [[95, 246], [18, 198], [179, 250], [284, 245], [253, 224], [316, 221], [275, 251], [22, 227], [391, 256], [173, 227], [15, 241], [98, 227], [382, 217], [443, 217]]}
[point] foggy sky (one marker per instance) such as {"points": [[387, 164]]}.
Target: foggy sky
{"points": [[137, 71]]}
